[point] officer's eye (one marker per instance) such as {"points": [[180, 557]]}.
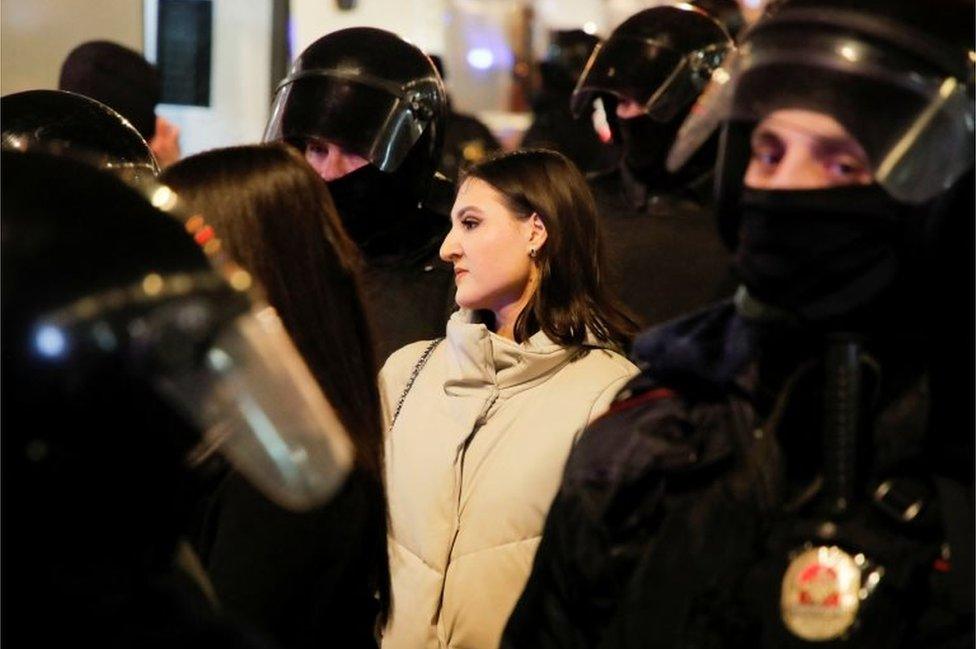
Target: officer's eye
{"points": [[767, 150], [316, 147], [849, 169], [767, 157]]}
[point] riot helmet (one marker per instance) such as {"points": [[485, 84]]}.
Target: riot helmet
{"points": [[66, 120], [660, 58], [898, 76], [566, 57], [371, 93], [892, 83], [134, 347]]}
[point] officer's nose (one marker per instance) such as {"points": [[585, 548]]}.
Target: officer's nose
{"points": [[331, 161], [332, 165], [629, 109]]}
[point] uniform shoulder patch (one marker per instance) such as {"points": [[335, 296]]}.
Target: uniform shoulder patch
{"points": [[627, 400]]}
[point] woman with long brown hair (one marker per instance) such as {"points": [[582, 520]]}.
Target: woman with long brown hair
{"points": [[318, 578], [482, 421]]}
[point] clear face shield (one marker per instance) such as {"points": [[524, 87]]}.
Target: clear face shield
{"points": [[916, 127], [371, 117], [228, 367], [211, 347], [258, 405]]}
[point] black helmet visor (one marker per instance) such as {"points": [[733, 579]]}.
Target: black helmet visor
{"points": [[371, 117], [647, 71]]}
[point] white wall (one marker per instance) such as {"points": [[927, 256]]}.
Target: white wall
{"points": [[421, 23], [240, 83], [489, 27], [551, 15], [445, 27], [36, 36]]}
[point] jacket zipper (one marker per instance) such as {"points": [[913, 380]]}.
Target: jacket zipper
{"points": [[461, 454]]}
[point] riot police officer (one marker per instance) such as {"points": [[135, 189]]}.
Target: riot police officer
{"points": [[554, 126], [132, 353], [367, 109], [794, 468], [665, 258], [68, 121]]}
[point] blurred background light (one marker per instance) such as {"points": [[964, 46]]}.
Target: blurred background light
{"points": [[480, 58], [50, 341]]}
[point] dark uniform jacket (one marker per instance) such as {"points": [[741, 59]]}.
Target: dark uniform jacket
{"points": [[408, 291], [554, 127], [407, 299], [304, 579], [466, 141], [680, 507], [664, 255]]}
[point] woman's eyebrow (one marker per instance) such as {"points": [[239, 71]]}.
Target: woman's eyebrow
{"points": [[467, 209]]}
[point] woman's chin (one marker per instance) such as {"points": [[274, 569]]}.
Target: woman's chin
{"points": [[465, 300]]}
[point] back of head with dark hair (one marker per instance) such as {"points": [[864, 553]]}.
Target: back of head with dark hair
{"points": [[572, 300], [275, 217], [118, 77]]}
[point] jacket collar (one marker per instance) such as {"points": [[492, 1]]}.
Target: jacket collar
{"points": [[479, 359]]}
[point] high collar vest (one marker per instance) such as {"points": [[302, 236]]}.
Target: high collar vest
{"points": [[479, 360]]}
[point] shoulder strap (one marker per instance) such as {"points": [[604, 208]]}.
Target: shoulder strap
{"points": [[413, 377]]}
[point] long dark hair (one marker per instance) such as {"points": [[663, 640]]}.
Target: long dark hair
{"points": [[571, 299], [276, 218]]}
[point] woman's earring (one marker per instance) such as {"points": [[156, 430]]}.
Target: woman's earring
{"points": [[532, 253]]}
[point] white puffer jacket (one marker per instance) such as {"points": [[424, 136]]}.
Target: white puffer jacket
{"points": [[472, 464]]}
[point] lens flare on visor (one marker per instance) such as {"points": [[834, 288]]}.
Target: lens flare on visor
{"points": [[260, 407]]}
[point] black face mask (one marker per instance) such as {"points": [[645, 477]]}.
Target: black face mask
{"points": [[646, 143], [378, 212], [827, 256]]}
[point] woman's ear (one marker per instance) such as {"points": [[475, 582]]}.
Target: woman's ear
{"points": [[537, 233]]}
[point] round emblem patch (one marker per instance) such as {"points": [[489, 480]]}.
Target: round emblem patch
{"points": [[819, 597]]}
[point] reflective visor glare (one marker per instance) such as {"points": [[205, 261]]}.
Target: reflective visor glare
{"points": [[934, 151], [261, 408], [707, 113]]}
